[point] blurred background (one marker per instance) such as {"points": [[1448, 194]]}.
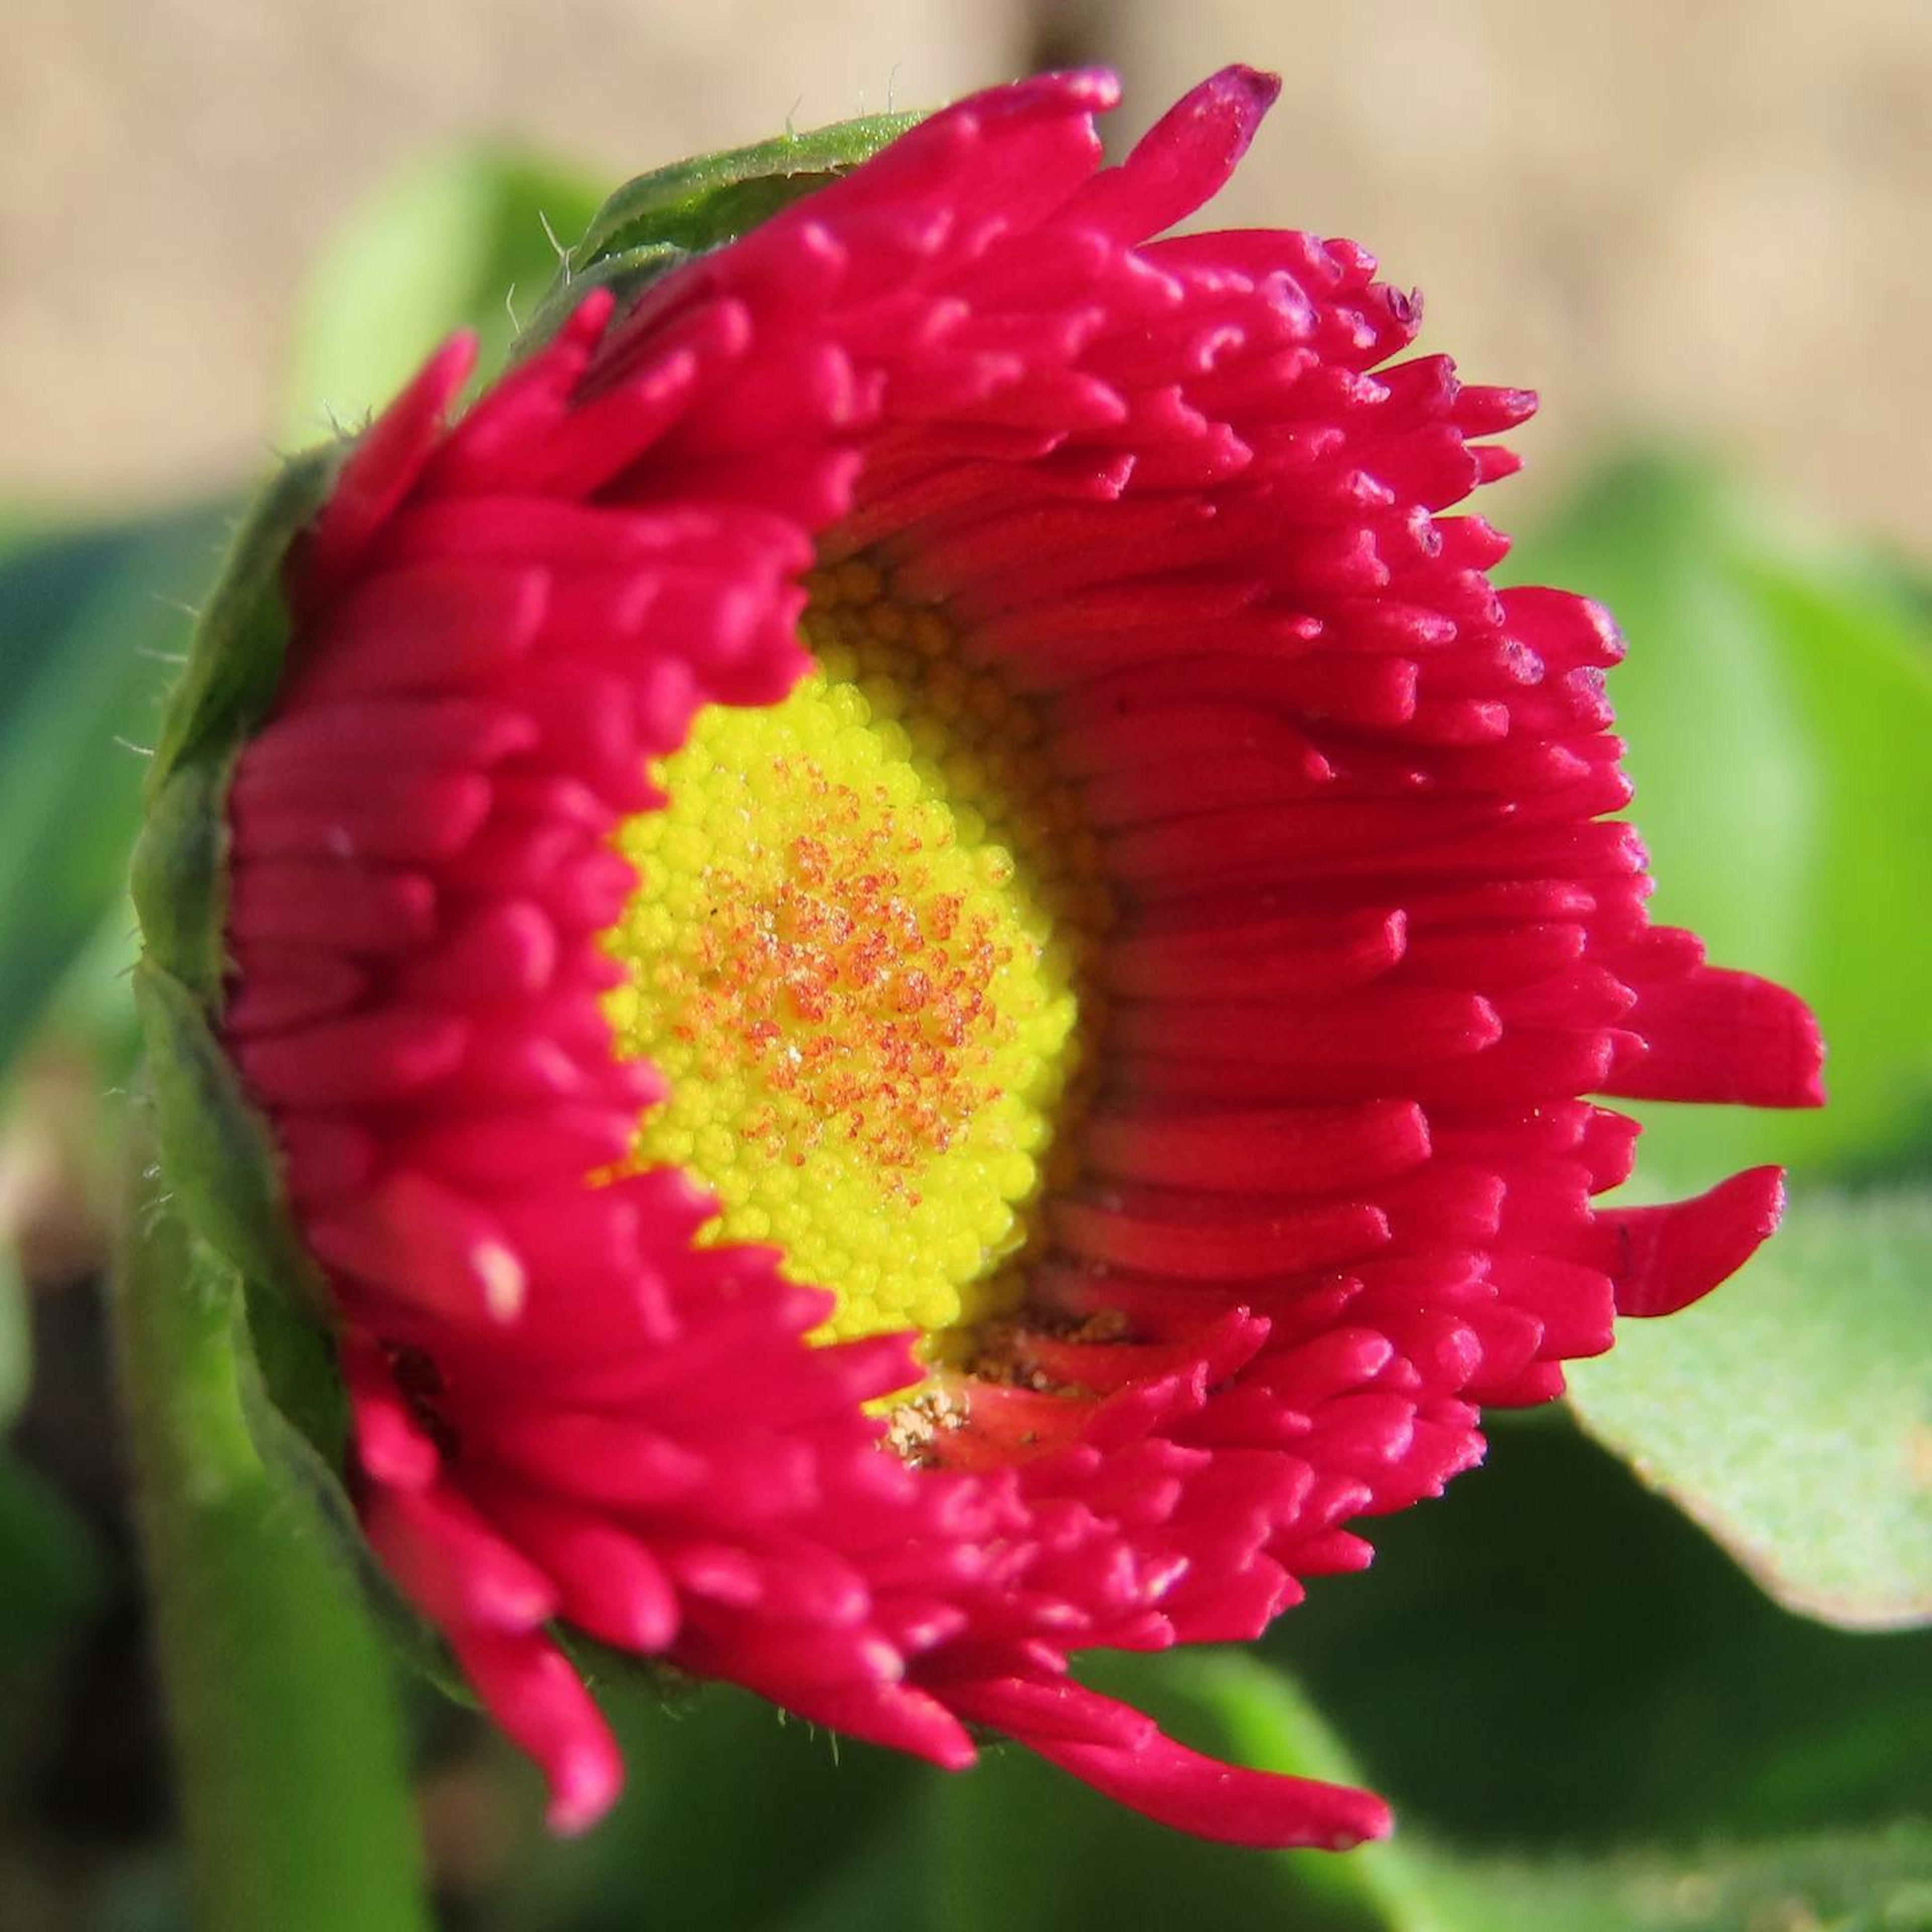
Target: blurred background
{"points": [[1664, 1661], [1710, 220]]}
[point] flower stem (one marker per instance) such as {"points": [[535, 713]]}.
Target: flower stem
{"points": [[287, 1745]]}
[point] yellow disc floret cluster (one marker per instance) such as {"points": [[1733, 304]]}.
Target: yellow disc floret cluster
{"points": [[857, 952]]}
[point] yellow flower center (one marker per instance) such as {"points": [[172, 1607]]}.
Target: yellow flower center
{"points": [[857, 951]]}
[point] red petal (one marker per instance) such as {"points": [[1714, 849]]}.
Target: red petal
{"points": [[534, 1693], [387, 460], [1666, 1257], [1166, 1781], [1720, 1036], [1183, 160]]}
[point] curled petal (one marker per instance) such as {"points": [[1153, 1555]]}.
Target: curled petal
{"points": [[1667, 1258]]}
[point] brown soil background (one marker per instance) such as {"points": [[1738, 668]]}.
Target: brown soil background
{"points": [[1706, 219]]}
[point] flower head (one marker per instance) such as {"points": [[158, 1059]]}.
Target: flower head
{"points": [[925, 956]]}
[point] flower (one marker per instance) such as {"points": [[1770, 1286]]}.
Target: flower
{"points": [[954, 737]]}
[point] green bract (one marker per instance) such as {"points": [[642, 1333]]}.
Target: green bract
{"points": [[659, 221], [215, 1149]]}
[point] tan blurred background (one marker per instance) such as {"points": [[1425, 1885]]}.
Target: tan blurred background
{"points": [[1704, 217]]}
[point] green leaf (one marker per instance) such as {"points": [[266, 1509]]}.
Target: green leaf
{"points": [[1791, 1414], [1552, 1655], [1855, 1881], [732, 1817], [16, 1340], [885, 1886], [458, 242], [1777, 701], [52, 1574], [89, 1014], [82, 617]]}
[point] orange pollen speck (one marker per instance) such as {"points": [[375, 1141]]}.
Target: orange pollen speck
{"points": [[855, 971]]}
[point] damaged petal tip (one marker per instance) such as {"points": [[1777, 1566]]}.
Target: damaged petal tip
{"points": [[1255, 87]]}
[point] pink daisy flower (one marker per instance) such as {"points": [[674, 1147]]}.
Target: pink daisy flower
{"points": [[927, 959]]}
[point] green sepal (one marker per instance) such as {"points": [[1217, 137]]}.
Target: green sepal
{"points": [[260, 1640], [603, 1667], [298, 1372], [297, 1414], [178, 875], [235, 660], [697, 204], [626, 273], [216, 1154], [653, 224], [288, 1376]]}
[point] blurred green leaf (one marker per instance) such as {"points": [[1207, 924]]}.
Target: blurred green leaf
{"points": [[459, 241], [51, 1570], [1791, 1414], [1015, 1845], [1878, 1881], [884, 1886], [1777, 701], [16, 1339], [90, 1011], [82, 617], [734, 1818], [1552, 1656]]}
